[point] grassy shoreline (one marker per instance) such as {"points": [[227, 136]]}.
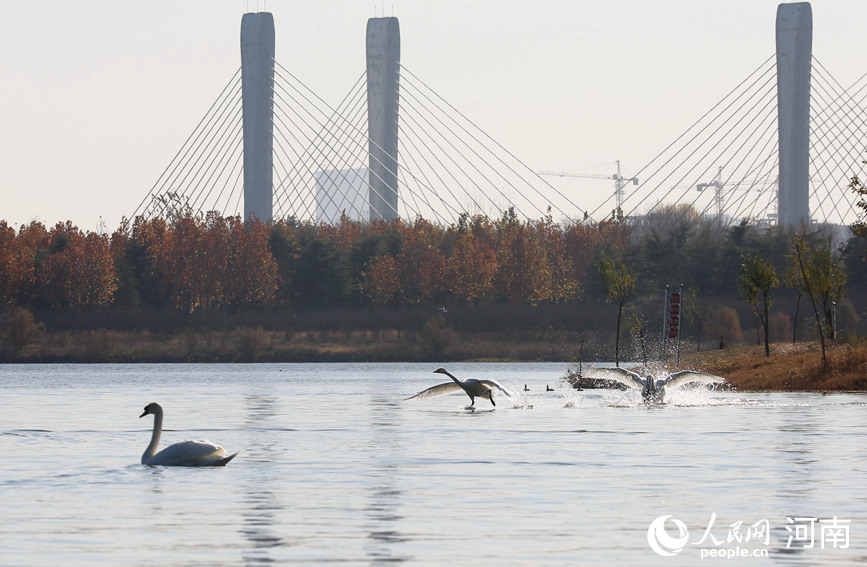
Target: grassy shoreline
{"points": [[791, 367], [259, 345]]}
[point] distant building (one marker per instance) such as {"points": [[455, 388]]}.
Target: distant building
{"points": [[341, 191]]}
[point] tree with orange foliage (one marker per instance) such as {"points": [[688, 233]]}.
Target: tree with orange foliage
{"points": [[472, 267], [564, 285], [30, 248], [510, 252], [344, 235], [381, 281], [79, 271], [251, 276], [194, 261], [14, 266], [420, 263], [96, 283], [525, 274], [178, 260]]}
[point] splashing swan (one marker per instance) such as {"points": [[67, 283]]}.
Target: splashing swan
{"points": [[653, 391], [183, 453], [472, 387]]}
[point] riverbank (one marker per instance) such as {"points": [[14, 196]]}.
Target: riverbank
{"points": [[432, 343], [791, 367]]}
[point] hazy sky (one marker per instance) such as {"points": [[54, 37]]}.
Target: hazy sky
{"points": [[97, 95]]}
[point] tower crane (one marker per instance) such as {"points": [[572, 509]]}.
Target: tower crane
{"points": [[719, 189], [717, 184], [619, 181]]}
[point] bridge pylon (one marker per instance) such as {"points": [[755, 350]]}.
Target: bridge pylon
{"points": [[383, 73], [257, 87], [794, 64]]}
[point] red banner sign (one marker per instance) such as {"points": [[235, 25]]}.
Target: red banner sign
{"points": [[673, 315]]}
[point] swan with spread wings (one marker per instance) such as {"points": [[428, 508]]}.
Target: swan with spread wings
{"points": [[472, 387], [652, 390]]}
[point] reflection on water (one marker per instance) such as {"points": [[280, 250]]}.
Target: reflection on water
{"points": [[336, 468], [793, 445], [262, 507], [262, 504], [383, 496]]}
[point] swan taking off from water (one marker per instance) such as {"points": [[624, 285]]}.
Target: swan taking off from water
{"points": [[473, 388], [183, 453], [653, 391]]}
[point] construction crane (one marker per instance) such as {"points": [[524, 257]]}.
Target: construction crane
{"points": [[619, 181], [719, 189], [717, 184]]}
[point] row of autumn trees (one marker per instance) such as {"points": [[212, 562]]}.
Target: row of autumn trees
{"points": [[207, 262]]}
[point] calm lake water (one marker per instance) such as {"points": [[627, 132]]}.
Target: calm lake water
{"points": [[335, 467]]}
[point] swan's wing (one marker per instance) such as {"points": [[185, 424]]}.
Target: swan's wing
{"points": [[222, 460], [621, 375], [188, 453], [679, 379], [437, 390], [494, 384]]}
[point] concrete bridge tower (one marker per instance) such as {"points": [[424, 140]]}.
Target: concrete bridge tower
{"points": [[794, 54], [383, 59], [257, 88]]}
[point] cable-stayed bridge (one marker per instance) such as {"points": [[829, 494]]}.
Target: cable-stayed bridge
{"points": [[727, 163], [366, 160], [448, 165]]}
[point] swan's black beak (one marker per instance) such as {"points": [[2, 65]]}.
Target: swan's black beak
{"points": [[143, 414]]}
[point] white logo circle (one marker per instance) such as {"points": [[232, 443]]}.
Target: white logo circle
{"points": [[662, 543]]}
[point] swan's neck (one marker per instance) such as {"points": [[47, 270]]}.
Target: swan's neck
{"points": [[452, 377], [155, 436]]}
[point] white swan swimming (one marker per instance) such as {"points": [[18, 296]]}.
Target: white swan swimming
{"points": [[474, 388], [653, 391], [183, 453]]}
